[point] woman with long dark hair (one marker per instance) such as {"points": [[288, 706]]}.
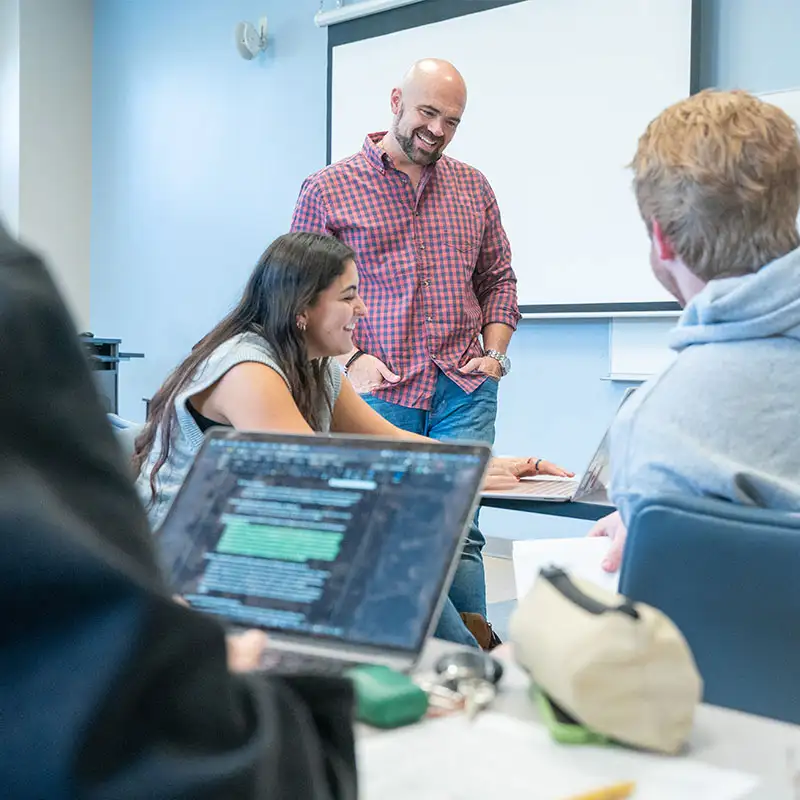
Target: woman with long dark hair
{"points": [[270, 365]]}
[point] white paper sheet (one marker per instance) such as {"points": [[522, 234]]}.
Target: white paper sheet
{"points": [[580, 557], [496, 756]]}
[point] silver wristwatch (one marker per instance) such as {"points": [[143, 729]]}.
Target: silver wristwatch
{"points": [[502, 359]]}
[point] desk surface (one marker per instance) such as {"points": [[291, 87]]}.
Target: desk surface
{"points": [[593, 507], [724, 738]]}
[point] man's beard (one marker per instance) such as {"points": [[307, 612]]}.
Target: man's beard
{"points": [[412, 151]]}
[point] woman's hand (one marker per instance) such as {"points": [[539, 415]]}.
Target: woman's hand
{"points": [[504, 473], [527, 467]]}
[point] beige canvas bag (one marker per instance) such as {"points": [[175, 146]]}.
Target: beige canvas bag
{"points": [[620, 668]]}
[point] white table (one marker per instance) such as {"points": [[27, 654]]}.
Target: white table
{"points": [[721, 737]]}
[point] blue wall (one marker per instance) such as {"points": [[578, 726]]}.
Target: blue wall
{"points": [[198, 157]]}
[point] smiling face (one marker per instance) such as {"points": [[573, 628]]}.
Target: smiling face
{"points": [[427, 110], [330, 322]]}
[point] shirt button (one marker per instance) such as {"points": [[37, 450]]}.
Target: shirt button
{"points": [[429, 318], [422, 247], [426, 283]]}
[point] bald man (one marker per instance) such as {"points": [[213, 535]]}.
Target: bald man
{"points": [[435, 269]]}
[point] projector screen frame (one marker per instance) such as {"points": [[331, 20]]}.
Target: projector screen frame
{"points": [[432, 11]]}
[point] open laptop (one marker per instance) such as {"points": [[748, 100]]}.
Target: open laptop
{"points": [[593, 483], [342, 548], [562, 490]]}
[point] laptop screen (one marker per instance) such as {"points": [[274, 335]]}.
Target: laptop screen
{"points": [[598, 473], [351, 539]]}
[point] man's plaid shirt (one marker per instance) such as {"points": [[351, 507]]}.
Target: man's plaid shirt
{"points": [[434, 264]]}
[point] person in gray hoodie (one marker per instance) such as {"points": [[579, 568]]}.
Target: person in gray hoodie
{"points": [[717, 180]]}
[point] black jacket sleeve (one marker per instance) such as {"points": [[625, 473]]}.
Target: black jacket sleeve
{"points": [[108, 689]]}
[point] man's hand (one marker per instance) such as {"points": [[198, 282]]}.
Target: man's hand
{"points": [[613, 527], [245, 650], [368, 373], [486, 365], [504, 473]]}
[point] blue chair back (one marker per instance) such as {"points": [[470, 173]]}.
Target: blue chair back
{"points": [[729, 577]]}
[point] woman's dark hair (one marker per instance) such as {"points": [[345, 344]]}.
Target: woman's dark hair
{"points": [[287, 280]]}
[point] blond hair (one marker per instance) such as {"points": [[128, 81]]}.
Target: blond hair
{"points": [[720, 173]]}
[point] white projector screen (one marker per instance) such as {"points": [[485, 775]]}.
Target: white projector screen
{"points": [[559, 93]]}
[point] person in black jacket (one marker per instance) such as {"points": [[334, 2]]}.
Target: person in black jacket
{"points": [[108, 688]]}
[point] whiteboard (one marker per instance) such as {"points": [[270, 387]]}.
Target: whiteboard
{"points": [[559, 93], [638, 347], [787, 99]]}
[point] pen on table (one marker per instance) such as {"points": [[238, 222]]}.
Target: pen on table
{"points": [[619, 791]]}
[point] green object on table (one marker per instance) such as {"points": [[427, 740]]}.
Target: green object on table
{"points": [[386, 698], [562, 728]]}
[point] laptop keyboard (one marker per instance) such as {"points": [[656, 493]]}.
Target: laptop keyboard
{"points": [[558, 489], [546, 488], [292, 663]]}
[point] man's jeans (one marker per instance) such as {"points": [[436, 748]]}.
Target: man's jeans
{"points": [[454, 415]]}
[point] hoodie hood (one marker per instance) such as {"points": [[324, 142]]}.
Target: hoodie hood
{"points": [[756, 306]]}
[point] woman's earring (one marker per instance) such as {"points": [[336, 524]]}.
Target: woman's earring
{"points": [[302, 324]]}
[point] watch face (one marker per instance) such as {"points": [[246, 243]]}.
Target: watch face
{"points": [[506, 365]]}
